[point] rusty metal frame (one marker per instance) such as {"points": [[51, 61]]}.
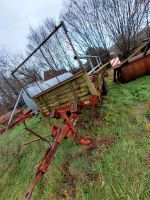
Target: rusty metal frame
{"points": [[69, 116], [61, 25]]}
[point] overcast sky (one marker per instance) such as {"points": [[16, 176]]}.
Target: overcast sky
{"points": [[16, 15]]}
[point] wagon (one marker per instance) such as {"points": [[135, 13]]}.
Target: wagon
{"points": [[69, 88], [62, 96]]}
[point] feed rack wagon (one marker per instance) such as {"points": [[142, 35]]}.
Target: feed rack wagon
{"points": [[64, 95]]}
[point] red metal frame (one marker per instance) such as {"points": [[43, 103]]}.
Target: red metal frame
{"points": [[22, 118], [69, 116], [93, 101]]}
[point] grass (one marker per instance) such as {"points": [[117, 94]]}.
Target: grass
{"points": [[111, 171]]}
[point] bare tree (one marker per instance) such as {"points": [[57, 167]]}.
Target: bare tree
{"points": [[55, 53], [148, 22], [124, 20], [9, 88], [85, 25], [7, 83]]}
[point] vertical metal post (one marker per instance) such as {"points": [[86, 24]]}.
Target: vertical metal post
{"points": [[91, 64], [13, 112], [75, 53]]}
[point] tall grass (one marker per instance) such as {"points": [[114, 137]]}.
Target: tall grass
{"points": [[121, 171]]}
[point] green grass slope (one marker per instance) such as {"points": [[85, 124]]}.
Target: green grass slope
{"points": [[116, 167]]}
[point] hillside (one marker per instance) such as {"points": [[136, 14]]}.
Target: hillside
{"points": [[117, 166]]}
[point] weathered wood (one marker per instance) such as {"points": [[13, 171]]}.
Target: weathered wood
{"points": [[78, 88], [83, 98], [99, 81], [62, 83], [90, 85], [63, 99], [102, 68], [63, 94]]}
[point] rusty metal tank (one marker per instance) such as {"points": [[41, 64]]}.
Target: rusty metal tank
{"points": [[137, 65]]}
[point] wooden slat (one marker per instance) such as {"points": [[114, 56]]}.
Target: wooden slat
{"points": [[90, 85], [63, 94], [79, 88], [64, 89], [55, 106], [62, 83], [69, 97]]}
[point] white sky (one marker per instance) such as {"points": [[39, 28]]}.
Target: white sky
{"points": [[17, 15]]}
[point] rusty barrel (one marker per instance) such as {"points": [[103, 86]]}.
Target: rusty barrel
{"points": [[137, 66], [147, 64]]}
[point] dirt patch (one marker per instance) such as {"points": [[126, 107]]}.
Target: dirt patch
{"points": [[147, 115], [95, 118], [93, 177], [97, 142], [104, 144], [68, 183], [108, 141], [147, 160], [69, 180]]}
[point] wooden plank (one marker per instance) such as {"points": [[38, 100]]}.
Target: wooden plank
{"points": [[55, 105], [64, 89], [58, 101], [85, 98], [69, 97], [63, 92], [80, 87], [90, 85], [77, 85], [102, 68], [62, 83], [98, 84], [56, 94], [69, 94]]}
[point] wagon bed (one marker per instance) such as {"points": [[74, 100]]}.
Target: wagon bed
{"points": [[78, 88]]}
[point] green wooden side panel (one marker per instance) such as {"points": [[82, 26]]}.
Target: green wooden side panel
{"points": [[79, 88]]}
